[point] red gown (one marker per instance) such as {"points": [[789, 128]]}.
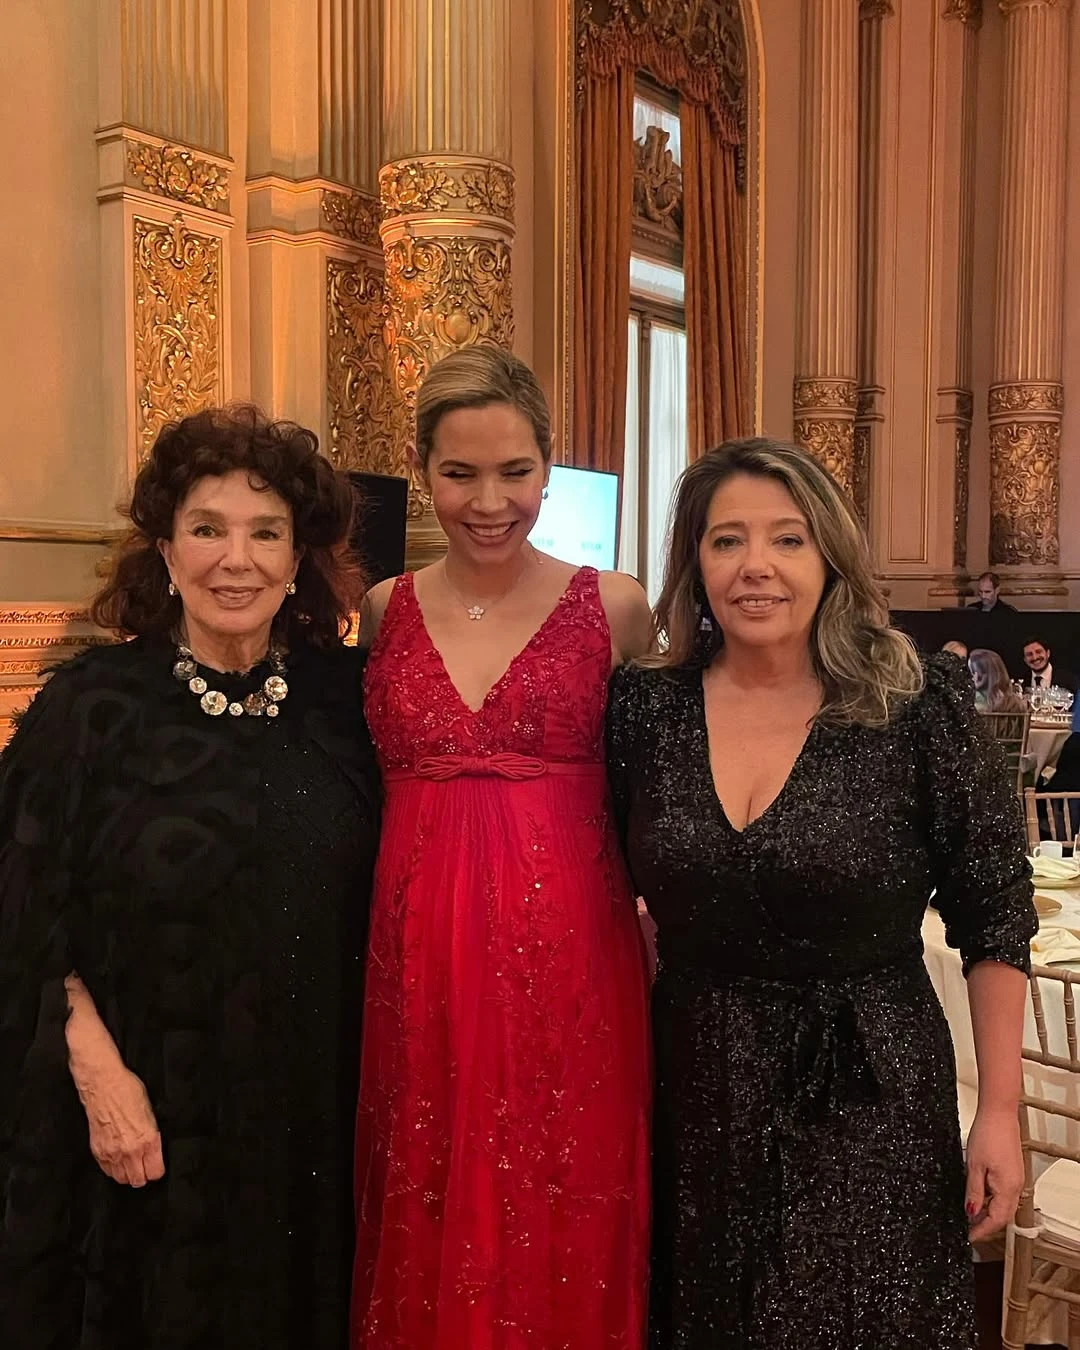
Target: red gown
{"points": [[502, 1147]]}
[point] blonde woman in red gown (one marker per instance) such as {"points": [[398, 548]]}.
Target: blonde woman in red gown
{"points": [[502, 1134]]}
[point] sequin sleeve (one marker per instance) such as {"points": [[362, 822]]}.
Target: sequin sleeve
{"points": [[624, 712], [982, 875], [42, 782]]}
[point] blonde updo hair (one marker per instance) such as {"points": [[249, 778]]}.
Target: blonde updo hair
{"points": [[866, 668], [474, 377]]}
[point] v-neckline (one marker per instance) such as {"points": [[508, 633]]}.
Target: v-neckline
{"points": [[515, 660], [770, 808]]}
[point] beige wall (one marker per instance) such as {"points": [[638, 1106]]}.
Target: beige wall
{"points": [[54, 470]]}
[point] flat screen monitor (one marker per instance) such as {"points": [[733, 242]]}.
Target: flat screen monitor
{"points": [[579, 520]]}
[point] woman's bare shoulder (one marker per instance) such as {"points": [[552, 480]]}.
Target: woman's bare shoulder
{"points": [[373, 609]]}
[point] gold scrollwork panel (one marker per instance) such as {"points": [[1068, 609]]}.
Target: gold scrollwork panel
{"points": [[812, 394], [177, 324], [360, 404], [441, 294], [1024, 459], [832, 443]]}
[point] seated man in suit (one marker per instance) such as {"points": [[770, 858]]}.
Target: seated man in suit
{"points": [[988, 587], [1043, 671]]}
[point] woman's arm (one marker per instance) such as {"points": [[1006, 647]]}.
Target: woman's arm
{"points": [[628, 614], [124, 1136], [995, 1166], [372, 610]]}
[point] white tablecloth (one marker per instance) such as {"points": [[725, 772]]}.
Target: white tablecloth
{"points": [[1047, 1322]]}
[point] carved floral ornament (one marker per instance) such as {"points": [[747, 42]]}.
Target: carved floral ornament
{"points": [[658, 189], [352, 215], [178, 358], [832, 443], [178, 173], [875, 9], [966, 11], [825, 395], [1029, 396], [1024, 458], [465, 187], [360, 404]]}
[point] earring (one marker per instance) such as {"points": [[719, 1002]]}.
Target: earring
{"points": [[545, 495], [172, 589], [290, 588]]}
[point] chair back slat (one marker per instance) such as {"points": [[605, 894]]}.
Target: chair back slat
{"points": [[1058, 815], [1040, 1020], [1011, 731], [1070, 1021]]}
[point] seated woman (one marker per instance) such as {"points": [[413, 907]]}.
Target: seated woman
{"points": [[187, 832], [993, 688]]}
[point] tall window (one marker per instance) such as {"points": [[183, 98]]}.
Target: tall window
{"points": [[656, 438]]}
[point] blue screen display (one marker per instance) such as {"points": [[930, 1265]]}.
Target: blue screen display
{"points": [[579, 520]]}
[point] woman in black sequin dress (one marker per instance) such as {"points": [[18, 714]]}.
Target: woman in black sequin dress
{"points": [[793, 785], [175, 1160]]}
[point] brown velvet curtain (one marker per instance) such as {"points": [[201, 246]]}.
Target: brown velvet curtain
{"points": [[714, 263], [602, 299]]}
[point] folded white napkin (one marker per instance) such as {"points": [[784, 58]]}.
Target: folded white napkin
{"points": [[1055, 869], [1054, 946]]}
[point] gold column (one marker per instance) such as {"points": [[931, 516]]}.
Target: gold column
{"points": [[870, 394], [447, 193], [1026, 394], [825, 360], [955, 400]]}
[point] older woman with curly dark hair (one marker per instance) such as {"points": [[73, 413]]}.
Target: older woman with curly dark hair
{"points": [[187, 829]]}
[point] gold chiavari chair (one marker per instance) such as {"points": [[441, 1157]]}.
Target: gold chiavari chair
{"points": [[1011, 730], [1045, 1232], [1059, 811]]}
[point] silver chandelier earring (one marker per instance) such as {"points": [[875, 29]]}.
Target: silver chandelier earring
{"points": [[290, 588]]}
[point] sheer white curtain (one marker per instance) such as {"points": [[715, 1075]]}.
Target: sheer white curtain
{"points": [[628, 517], [667, 441]]}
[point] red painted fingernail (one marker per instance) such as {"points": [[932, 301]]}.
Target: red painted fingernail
{"points": [[971, 1209]]}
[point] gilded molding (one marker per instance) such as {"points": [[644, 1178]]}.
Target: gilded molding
{"points": [[832, 443], [1008, 7], [875, 9], [177, 324], [178, 173], [441, 294], [1028, 396], [359, 399], [352, 215], [44, 615], [966, 11], [1024, 461], [813, 394], [454, 184], [961, 489], [860, 470]]}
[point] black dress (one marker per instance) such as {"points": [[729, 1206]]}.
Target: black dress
{"points": [[809, 1192], [208, 878]]}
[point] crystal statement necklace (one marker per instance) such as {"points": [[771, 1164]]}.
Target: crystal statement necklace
{"points": [[213, 702]]}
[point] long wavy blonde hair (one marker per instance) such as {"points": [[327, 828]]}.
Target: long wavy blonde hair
{"points": [[866, 667]]}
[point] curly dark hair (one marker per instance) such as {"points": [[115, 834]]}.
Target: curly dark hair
{"points": [[281, 456]]}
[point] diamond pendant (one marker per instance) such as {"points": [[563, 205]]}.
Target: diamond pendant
{"points": [[475, 612]]}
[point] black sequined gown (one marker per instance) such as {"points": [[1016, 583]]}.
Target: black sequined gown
{"points": [[209, 880], [808, 1183]]}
